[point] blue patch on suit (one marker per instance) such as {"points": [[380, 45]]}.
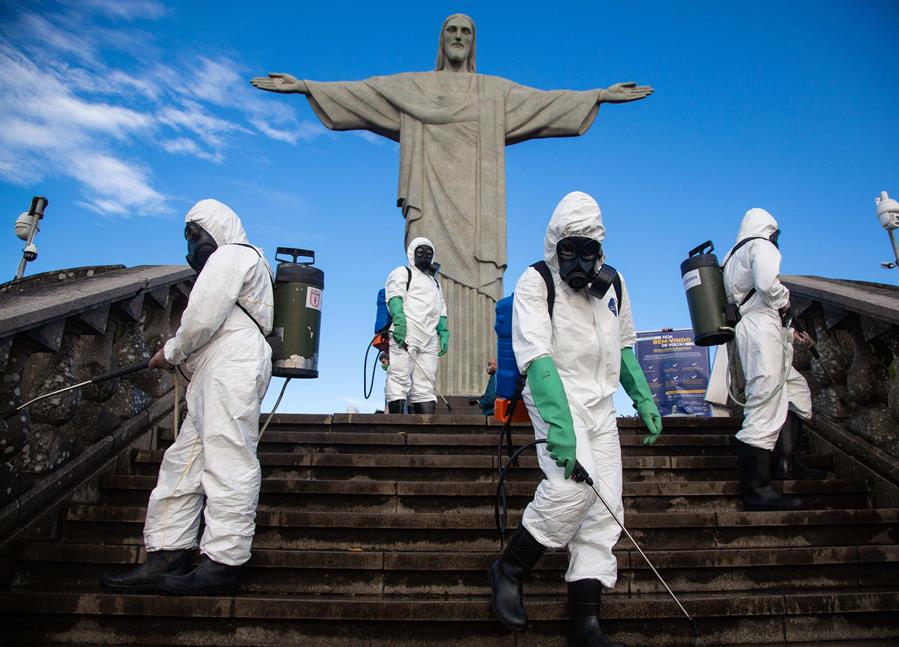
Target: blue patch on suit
{"points": [[613, 306]]}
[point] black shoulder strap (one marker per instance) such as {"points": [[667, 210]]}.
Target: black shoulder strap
{"points": [[238, 304], [739, 245], [409, 279], [731, 255], [616, 282], [543, 269], [747, 297]]}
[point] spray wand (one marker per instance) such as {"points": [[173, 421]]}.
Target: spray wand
{"points": [[97, 379], [428, 378]]}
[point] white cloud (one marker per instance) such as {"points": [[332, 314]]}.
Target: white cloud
{"points": [[303, 131], [214, 81], [66, 112], [194, 118], [185, 146], [126, 9], [50, 131], [370, 137], [120, 188], [44, 36], [69, 111]]}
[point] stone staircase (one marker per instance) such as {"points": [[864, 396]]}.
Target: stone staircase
{"points": [[377, 530]]}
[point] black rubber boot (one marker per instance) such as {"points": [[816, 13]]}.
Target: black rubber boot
{"points": [[584, 598], [424, 407], [786, 454], [506, 578], [396, 406], [209, 578], [754, 464], [148, 575]]}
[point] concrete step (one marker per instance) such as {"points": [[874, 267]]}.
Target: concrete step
{"points": [[478, 496], [476, 531], [407, 621], [472, 443], [449, 467], [44, 566], [364, 423]]}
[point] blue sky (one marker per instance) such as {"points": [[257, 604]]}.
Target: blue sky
{"points": [[126, 113]]}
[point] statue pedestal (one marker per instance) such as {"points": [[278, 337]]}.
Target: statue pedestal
{"points": [[470, 317]]}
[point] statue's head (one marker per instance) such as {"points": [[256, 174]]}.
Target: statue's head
{"points": [[456, 43]]}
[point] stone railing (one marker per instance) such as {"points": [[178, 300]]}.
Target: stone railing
{"points": [[62, 328], [855, 386]]}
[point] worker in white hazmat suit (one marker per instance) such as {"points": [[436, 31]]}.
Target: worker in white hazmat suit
{"points": [[777, 396], [419, 333], [221, 347], [574, 357]]}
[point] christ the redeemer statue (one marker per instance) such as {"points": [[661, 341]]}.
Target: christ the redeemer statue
{"points": [[453, 126]]}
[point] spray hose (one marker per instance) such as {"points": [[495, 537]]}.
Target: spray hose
{"points": [[786, 344], [368, 386], [274, 408]]}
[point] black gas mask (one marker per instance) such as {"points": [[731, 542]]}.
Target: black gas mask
{"points": [[424, 256], [775, 237], [200, 245], [578, 257]]}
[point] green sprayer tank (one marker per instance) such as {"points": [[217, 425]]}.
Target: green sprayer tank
{"points": [[704, 285], [298, 314]]}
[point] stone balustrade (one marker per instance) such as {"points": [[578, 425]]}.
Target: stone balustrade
{"points": [[854, 384], [61, 328]]}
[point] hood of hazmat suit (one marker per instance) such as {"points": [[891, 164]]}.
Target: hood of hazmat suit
{"points": [[577, 214], [756, 222], [228, 360], [415, 244], [219, 220], [422, 301]]}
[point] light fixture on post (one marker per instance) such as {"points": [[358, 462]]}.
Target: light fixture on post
{"points": [[27, 226], [888, 216]]}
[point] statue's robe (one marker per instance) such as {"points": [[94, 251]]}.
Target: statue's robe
{"points": [[453, 128]]}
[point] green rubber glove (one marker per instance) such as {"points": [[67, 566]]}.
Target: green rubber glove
{"points": [[552, 404], [395, 306], [443, 333], [634, 383]]}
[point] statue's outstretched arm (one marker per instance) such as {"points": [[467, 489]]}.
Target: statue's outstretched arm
{"points": [[279, 82], [623, 92]]}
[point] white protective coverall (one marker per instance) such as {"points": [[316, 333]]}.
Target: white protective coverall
{"points": [[229, 364], [424, 305], [761, 338], [584, 337]]}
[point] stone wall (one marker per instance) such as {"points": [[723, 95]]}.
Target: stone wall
{"points": [[62, 328], [855, 381], [854, 384]]}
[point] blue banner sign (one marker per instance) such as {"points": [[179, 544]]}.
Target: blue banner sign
{"points": [[677, 371]]}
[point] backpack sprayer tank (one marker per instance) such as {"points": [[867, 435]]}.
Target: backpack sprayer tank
{"points": [[704, 285], [298, 314], [509, 382]]}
